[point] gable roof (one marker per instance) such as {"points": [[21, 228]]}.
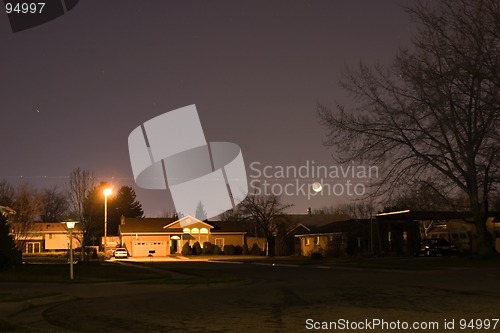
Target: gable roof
{"points": [[185, 222]]}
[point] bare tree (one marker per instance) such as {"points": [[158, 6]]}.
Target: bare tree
{"points": [[434, 115], [359, 209], [54, 205], [422, 197], [80, 183], [261, 211], [27, 204], [231, 215], [6, 193]]}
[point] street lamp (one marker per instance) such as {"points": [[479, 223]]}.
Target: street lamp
{"points": [[106, 192], [70, 225]]}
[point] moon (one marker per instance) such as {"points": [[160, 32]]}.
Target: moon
{"points": [[317, 187]]}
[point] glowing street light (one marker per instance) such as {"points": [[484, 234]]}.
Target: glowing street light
{"points": [[106, 192], [70, 225]]}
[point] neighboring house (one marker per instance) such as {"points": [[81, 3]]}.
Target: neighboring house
{"points": [[336, 238], [44, 236], [392, 233], [456, 227], [298, 224], [165, 236], [379, 235]]}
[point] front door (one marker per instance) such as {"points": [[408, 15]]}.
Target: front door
{"points": [[175, 244]]}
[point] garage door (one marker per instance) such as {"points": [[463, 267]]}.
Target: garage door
{"points": [[141, 249]]}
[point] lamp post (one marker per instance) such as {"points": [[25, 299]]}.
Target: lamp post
{"points": [[70, 225], [106, 193]]}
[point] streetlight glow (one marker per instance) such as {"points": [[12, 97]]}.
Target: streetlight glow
{"points": [[106, 192]]}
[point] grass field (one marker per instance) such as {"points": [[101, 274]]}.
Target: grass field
{"points": [[400, 263], [82, 273]]}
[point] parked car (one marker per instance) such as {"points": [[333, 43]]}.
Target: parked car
{"points": [[435, 247], [121, 253]]}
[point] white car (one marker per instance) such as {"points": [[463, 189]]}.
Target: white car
{"points": [[121, 253]]}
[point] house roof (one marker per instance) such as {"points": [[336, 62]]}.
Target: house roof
{"points": [[311, 221], [427, 215], [46, 227], [164, 225], [187, 221], [145, 225], [350, 225], [227, 226]]}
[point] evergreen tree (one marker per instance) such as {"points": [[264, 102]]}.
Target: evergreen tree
{"points": [[7, 246], [200, 212], [126, 203], [121, 203]]}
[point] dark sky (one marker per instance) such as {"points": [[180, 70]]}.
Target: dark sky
{"points": [[73, 89]]}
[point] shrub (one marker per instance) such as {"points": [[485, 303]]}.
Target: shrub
{"points": [[255, 250], [196, 248], [208, 248], [245, 249], [238, 249], [217, 249], [316, 255], [186, 249], [229, 250]]}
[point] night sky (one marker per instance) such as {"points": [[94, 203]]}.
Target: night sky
{"points": [[74, 88]]}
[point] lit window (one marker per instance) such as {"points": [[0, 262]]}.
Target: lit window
{"points": [[306, 240], [195, 231], [203, 231], [219, 242], [186, 230], [316, 240]]}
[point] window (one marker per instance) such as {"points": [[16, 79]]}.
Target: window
{"points": [[33, 247], [219, 242], [316, 240], [306, 240]]}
